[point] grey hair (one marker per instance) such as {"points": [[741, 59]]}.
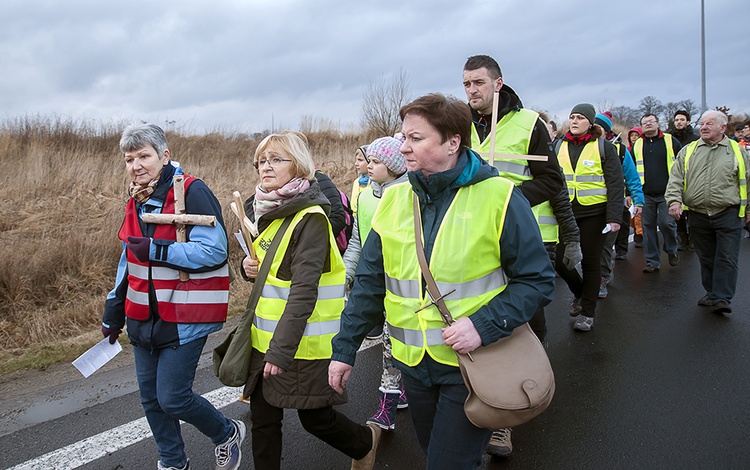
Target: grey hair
{"points": [[721, 117], [137, 136]]}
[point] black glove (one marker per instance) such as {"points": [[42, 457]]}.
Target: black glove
{"points": [[140, 247], [113, 333]]}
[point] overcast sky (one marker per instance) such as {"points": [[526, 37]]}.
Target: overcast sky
{"points": [[245, 66]]}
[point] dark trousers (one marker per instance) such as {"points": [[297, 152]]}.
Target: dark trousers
{"points": [[538, 322], [717, 242], [585, 287], [621, 243], [326, 424], [683, 236], [444, 432]]}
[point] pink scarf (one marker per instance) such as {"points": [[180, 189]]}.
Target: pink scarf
{"points": [[266, 201]]}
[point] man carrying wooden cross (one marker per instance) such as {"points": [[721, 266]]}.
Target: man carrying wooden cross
{"points": [[169, 318], [519, 131]]}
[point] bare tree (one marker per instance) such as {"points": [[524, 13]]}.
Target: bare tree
{"points": [[668, 113], [382, 101], [650, 105], [692, 109], [625, 116]]}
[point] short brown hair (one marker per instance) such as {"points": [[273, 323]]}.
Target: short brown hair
{"points": [[477, 62], [446, 114]]}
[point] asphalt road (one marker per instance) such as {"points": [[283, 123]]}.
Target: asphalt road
{"points": [[659, 383]]}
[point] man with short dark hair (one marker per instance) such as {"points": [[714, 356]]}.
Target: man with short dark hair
{"points": [[710, 177], [520, 131], [654, 156]]}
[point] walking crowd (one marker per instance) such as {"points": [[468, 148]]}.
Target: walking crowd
{"points": [[502, 204]]}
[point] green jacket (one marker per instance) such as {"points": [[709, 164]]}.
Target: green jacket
{"points": [[712, 183]]}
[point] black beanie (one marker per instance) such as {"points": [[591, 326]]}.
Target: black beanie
{"points": [[587, 110]]}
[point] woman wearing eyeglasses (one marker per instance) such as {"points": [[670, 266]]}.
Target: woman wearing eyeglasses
{"points": [[299, 310], [595, 183]]}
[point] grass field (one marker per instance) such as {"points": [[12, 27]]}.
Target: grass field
{"points": [[64, 192]]}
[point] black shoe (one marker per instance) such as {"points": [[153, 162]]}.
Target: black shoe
{"points": [[650, 269], [674, 260], [621, 256], [707, 301], [376, 333], [722, 307], [683, 247]]}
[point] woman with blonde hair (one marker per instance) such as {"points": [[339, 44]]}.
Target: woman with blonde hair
{"points": [[299, 309]]}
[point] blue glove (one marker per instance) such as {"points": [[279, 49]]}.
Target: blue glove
{"points": [[140, 247], [113, 333]]}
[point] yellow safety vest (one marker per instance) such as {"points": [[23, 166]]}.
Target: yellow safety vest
{"points": [[586, 183], [638, 154], [741, 172], [367, 203], [465, 257], [324, 322], [513, 137]]}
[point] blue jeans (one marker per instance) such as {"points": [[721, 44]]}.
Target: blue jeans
{"points": [[655, 213], [165, 379], [717, 242], [444, 432]]}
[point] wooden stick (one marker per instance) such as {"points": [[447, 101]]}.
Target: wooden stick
{"points": [[184, 219], [239, 210], [493, 126], [179, 209], [491, 155], [536, 158]]}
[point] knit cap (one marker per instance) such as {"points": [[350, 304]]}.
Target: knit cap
{"points": [[604, 121], [388, 151], [586, 109]]}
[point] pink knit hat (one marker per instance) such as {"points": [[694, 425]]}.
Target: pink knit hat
{"points": [[388, 151]]}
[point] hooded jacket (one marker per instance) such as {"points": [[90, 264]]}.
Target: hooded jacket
{"points": [[304, 384], [685, 136], [547, 179], [523, 256]]}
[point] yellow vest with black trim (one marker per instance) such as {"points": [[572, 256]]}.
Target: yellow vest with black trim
{"points": [[368, 204], [741, 172], [586, 183], [638, 154], [465, 257], [324, 322], [513, 137]]}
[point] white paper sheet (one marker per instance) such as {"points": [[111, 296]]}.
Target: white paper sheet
{"points": [[99, 354], [242, 243]]}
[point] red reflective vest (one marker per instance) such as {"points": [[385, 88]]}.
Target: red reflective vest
{"points": [[203, 298]]}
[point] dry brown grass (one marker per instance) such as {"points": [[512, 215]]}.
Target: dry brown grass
{"points": [[63, 191]]}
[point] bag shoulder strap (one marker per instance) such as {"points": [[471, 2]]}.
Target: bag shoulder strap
{"points": [[265, 266], [432, 287]]}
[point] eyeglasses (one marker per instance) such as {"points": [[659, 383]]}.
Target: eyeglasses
{"points": [[274, 162], [647, 123]]}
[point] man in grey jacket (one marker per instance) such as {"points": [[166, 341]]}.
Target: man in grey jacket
{"points": [[709, 176]]}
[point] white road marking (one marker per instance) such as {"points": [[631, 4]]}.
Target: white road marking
{"points": [[87, 450]]}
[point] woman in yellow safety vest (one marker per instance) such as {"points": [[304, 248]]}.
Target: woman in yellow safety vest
{"points": [[484, 249], [299, 309], [595, 181]]}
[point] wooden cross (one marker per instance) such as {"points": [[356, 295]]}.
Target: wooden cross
{"points": [[180, 218], [491, 155], [246, 225]]}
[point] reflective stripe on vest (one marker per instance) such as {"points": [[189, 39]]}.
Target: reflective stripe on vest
{"points": [[470, 231], [203, 298], [323, 322], [586, 183], [638, 154], [367, 203], [741, 172], [513, 137]]}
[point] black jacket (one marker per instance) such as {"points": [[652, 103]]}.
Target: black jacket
{"points": [[685, 136]]}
